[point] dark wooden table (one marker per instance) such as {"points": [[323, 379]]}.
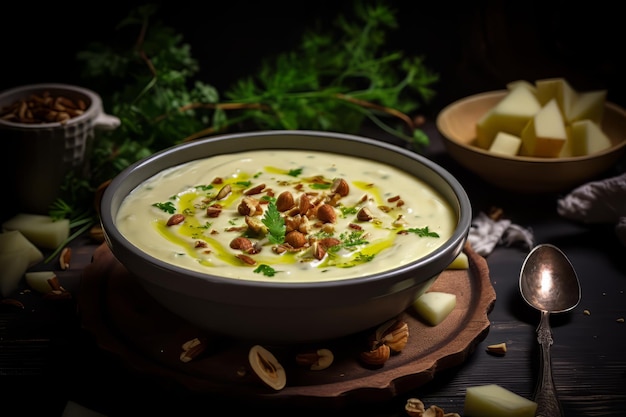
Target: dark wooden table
{"points": [[47, 359]]}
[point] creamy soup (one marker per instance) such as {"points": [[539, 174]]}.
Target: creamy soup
{"points": [[286, 216]]}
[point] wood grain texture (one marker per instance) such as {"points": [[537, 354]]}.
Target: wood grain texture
{"points": [[127, 322]]}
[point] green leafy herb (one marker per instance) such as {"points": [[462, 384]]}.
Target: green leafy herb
{"points": [[362, 258], [167, 207], [295, 172], [320, 186], [423, 232], [339, 76], [266, 270], [275, 224], [347, 211]]}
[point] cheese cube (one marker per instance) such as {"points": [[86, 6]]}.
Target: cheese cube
{"points": [[460, 262], [522, 83], [43, 231], [434, 306], [588, 105], [16, 244], [559, 89], [494, 401], [586, 138], [506, 144], [545, 134], [509, 115]]}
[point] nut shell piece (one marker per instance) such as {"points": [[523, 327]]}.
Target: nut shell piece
{"points": [[267, 368]]}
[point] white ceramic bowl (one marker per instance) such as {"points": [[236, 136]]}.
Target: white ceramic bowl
{"points": [[286, 312]]}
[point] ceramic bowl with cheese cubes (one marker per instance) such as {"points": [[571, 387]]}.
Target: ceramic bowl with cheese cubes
{"points": [[535, 137]]}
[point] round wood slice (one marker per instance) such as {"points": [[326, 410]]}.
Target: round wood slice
{"points": [[126, 321]]}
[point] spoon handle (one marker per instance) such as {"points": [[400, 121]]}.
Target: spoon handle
{"points": [[548, 404]]}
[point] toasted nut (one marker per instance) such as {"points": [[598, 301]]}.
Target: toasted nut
{"points": [[54, 283], [397, 336], [326, 213], [364, 215], [214, 210], [177, 218], [241, 243], [414, 407], [223, 192], [246, 259], [318, 250], [64, 258], [192, 349], [255, 190], [377, 356], [295, 238], [498, 349], [255, 225], [249, 206], [329, 242], [340, 186], [304, 204], [315, 361], [285, 201], [267, 368]]}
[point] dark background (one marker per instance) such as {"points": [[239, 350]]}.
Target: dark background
{"points": [[473, 46]]}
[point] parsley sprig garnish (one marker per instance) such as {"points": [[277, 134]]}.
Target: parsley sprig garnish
{"points": [[274, 222], [423, 232]]}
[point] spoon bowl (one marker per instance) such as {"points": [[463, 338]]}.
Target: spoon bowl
{"points": [[548, 283]]}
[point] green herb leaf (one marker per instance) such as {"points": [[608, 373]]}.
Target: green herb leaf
{"points": [[266, 270], [167, 207], [423, 232], [275, 223]]}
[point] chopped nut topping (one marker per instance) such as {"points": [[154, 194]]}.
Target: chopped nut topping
{"points": [[175, 219]]}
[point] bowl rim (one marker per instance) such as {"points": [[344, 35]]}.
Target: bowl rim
{"points": [[95, 104], [520, 158], [431, 263]]}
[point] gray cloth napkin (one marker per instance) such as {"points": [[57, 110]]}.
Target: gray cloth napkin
{"points": [[488, 231], [602, 201]]}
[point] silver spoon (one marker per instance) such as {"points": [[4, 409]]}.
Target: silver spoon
{"points": [[548, 282]]}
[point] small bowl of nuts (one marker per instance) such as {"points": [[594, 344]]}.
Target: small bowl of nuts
{"points": [[285, 236], [48, 129]]}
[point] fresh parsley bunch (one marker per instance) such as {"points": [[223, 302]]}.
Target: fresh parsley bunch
{"points": [[336, 79]]}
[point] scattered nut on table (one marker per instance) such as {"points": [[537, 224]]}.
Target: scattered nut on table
{"points": [[497, 349], [390, 337], [267, 368], [316, 360], [192, 349], [414, 407]]}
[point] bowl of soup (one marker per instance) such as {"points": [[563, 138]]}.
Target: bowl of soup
{"points": [[285, 236]]}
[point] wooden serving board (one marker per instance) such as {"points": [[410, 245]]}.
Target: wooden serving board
{"points": [[126, 321]]}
